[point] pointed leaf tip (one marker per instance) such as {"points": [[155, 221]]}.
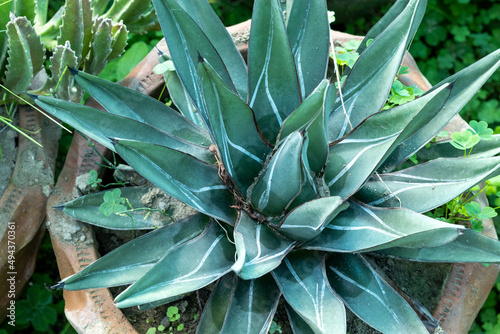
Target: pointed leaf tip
{"points": [[73, 71], [58, 286], [59, 207]]}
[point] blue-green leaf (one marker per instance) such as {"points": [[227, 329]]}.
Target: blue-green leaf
{"points": [[426, 186], [180, 175], [281, 181], [129, 262], [443, 149], [310, 115], [355, 157], [181, 98], [186, 43], [129, 103], [233, 125], [102, 126], [187, 268], [470, 246], [298, 325], [368, 296], [309, 34], [215, 310], [390, 16], [364, 228], [465, 84], [307, 291], [366, 88], [273, 84], [240, 306], [308, 220], [202, 13], [258, 247]]}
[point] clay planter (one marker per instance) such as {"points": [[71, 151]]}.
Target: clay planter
{"points": [[23, 199], [92, 311]]}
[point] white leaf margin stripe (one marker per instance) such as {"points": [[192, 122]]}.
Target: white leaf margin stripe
{"points": [[187, 191], [315, 301], [258, 259], [265, 74], [377, 142], [195, 270], [226, 139], [394, 193], [353, 282]]}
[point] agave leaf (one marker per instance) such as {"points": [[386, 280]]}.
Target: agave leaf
{"points": [[298, 325], [396, 10], [258, 247], [426, 186], [64, 56], [367, 295], [233, 125], [354, 158], [310, 115], [443, 149], [187, 268], [281, 181], [366, 88], [26, 54], [248, 306], [126, 102], [465, 84], [215, 310], [102, 41], [86, 209], [273, 85], [308, 190], [187, 42], [129, 262], [365, 228], [309, 35], [188, 179], [468, 247], [308, 220], [203, 14], [233, 300], [76, 27], [102, 126], [307, 291], [181, 98]]}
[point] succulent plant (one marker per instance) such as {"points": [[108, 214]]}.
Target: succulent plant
{"points": [[294, 180], [82, 34]]}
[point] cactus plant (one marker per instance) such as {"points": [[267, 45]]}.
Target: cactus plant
{"points": [[82, 34], [294, 180]]}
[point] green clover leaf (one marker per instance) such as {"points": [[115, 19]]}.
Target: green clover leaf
{"points": [[474, 210], [113, 203], [481, 129], [464, 140]]}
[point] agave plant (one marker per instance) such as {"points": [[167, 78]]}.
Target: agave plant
{"points": [[294, 180]]}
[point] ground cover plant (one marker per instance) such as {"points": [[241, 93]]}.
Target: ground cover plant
{"points": [[294, 179]]}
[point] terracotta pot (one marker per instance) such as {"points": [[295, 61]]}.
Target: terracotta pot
{"points": [[93, 311], [23, 202]]}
